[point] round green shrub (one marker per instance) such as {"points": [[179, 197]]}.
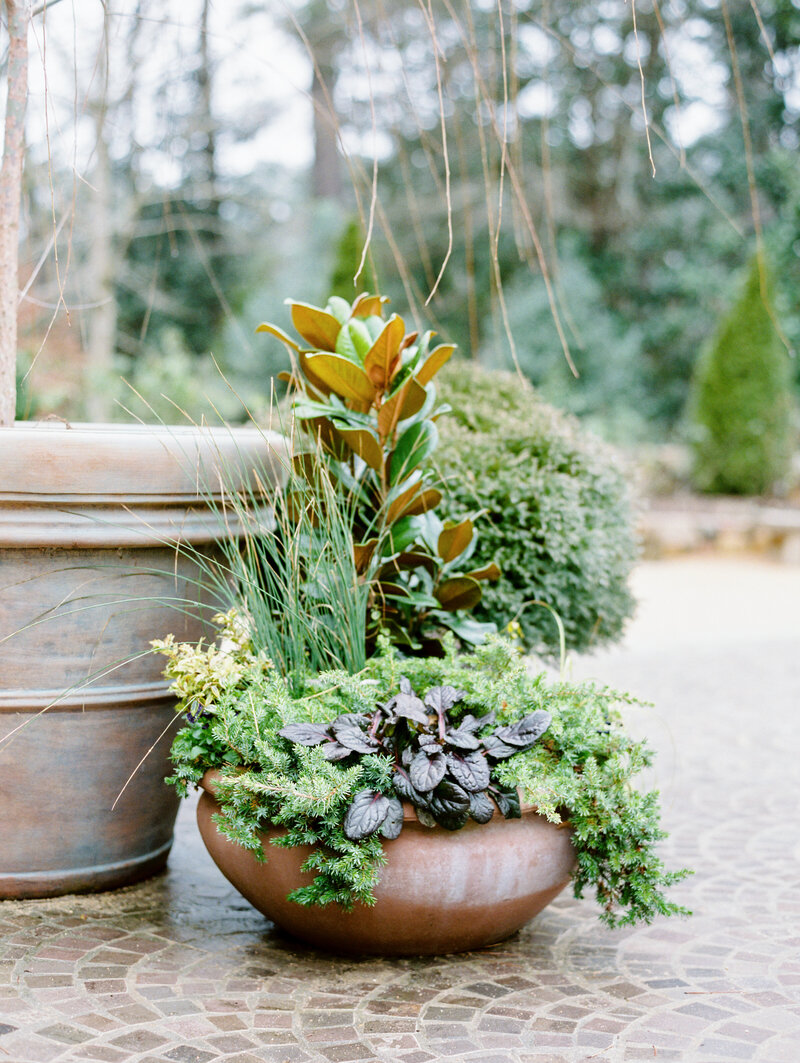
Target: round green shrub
{"points": [[556, 509], [740, 405]]}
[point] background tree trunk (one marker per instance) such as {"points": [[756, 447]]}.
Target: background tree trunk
{"points": [[18, 12]]}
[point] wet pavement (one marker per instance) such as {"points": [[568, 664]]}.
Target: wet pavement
{"points": [[182, 970]]}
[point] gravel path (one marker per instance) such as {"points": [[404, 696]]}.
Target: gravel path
{"points": [[181, 970]]}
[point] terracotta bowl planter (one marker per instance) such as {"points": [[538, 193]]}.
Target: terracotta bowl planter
{"points": [[440, 891], [89, 574]]}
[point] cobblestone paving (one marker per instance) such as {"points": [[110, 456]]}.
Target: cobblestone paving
{"points": [[181, 970]]}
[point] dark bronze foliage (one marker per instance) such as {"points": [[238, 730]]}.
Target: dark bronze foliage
{"points": [[441, 765]]}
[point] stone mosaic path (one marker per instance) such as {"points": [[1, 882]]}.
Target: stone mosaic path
{"points": [[181, 970]]}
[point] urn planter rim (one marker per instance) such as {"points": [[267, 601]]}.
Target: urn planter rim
{"points": [[103, 463]]}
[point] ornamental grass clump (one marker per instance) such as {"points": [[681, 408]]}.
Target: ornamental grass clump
{"points": [[350, 688]]}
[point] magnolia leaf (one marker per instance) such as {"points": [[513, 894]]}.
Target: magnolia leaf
{"points": [[402, 534], [273, 330], [460, 592], [361, 337], [365, 445], [315, 381], [415, 444], [470, 772], [362, 554], [454, 540], [393, 824], [384, 354], [339, 308], [318, 327], [405, 402], [342, 376], [365, 815], [480, 807], [305, 734], [490, 572], [468, 629], [525, 732], [407, 562], [434, 362], [367, 305], [414, 500], [427, 772]]}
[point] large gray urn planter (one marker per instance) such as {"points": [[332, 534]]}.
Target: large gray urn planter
{"points": [[89, 574]]}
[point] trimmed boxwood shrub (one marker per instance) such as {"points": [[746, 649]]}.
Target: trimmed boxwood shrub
{"points": [[740, 402], [556, 509]]}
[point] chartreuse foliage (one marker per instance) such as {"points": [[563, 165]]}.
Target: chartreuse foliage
{"points": [[456, 735], [740, 401], [368, 403]]}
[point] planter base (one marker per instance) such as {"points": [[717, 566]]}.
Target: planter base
{"points": [[440, 891]]}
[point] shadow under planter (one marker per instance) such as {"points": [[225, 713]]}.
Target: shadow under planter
{"points": [[90, 572]]}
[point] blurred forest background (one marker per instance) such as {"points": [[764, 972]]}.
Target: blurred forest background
{"points": [[572, 180]]}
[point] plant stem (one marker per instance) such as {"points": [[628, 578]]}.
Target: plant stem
{"points": [[18, 12]]}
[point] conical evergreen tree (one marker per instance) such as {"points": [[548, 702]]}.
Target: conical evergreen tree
{"points": [[740, 401]]}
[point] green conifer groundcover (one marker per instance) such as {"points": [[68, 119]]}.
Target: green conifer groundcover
{"points": [[740, 402]]}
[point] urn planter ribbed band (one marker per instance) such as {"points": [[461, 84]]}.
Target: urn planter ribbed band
{"points": [[90, 571]]}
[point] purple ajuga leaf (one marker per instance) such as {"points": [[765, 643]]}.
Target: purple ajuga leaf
{"points": [[442, 699], [426, 772], [525, 732], [354, 738], [461, 738], [470, 772], [409, 706], [306, 734], [496, 749], [366, 814], [393, 824], [481, 808], [335, 751]]}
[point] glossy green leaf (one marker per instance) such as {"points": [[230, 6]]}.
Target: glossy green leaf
{"points": [[415, 444], [339, 308], [454, 539], [361, 338]]}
